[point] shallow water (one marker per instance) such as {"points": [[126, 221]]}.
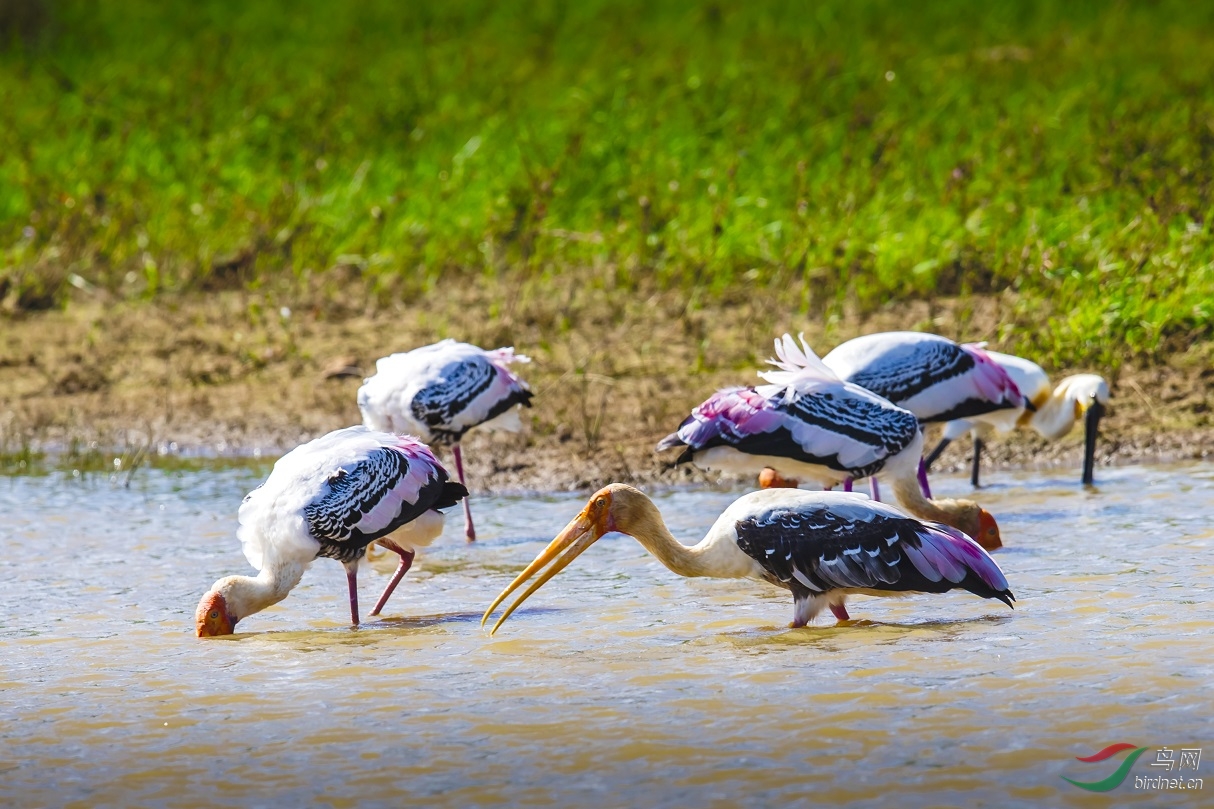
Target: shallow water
{"points": [[619, 684]]}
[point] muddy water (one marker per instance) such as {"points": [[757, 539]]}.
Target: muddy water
{"points": [[619, 685]]}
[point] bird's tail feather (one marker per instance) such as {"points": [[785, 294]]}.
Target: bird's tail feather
{"points": [[670, 442], [506, 355], [992, 379], [801, 371], [452, 493]]}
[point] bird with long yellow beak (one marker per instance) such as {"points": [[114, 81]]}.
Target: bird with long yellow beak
{"points": [[822, 546]]}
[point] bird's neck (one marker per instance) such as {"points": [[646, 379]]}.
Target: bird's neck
{"points": [[1055, 416], [949, 512], [657, 539], [708, 557], [247, 595]]}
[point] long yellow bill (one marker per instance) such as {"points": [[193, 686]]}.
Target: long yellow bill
{"points": [[578, 535]]}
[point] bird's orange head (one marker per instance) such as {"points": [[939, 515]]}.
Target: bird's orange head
{"points": [[771, 479], [988, 531], [213, 617]]}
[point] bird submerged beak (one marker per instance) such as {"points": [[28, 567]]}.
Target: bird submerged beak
{"points": [[1091, 426], [582, 532], [212, 617]]}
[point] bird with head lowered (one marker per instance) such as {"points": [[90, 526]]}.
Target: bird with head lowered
{"points": [[331, 497], [821, 546]]}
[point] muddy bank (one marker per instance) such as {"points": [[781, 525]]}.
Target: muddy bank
{"points": [[239, 373]]}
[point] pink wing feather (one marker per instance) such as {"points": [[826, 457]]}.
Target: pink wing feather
{"points": [[947, 553], [991, 379], [734, 412], [423, 469]]}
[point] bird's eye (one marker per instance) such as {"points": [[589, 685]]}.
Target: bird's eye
{"points": [[214, 615]]}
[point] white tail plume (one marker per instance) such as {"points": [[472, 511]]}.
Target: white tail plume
{"points": [[801, 371], [507, 356]]}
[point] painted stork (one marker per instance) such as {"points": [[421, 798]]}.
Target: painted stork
{"points": [[823, 546], [1052, 414], [807, 423], [931, 376], [440, 392], [332, 497]]}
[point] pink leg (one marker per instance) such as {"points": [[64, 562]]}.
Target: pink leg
{"points": [[874, 489], [927, 490], [840, 612], [469, 530], [847, 485], [352, 581], [406, 562]]}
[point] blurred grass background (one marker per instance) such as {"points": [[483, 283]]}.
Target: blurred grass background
{"points": [[844, 154]]}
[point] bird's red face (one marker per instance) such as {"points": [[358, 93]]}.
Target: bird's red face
{"points": [[212, 618], [771, 479], [988, 532]]}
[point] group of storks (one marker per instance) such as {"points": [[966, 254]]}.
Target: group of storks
{"points": [[856, 413]]}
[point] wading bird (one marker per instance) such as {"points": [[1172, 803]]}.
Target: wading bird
{"points": [[931, 376], [332, 497], [440, 392], [823, 546], [807, 423], [1054, 413]]}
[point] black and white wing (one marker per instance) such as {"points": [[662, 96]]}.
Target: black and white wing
{"points": [[848, 430], [840, 427], [933, 377], [837, 542], [468, 392], [391, 486], [443, 390], [334, 496]]}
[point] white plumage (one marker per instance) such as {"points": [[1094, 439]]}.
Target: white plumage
{"points": [[807, 423], [931, 376], [331, 497], [821, 546], [301, 477], [440, 392], [799, 372], [1051, 413]]}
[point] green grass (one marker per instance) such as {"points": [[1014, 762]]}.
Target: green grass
{"points": [[844, 153]]}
